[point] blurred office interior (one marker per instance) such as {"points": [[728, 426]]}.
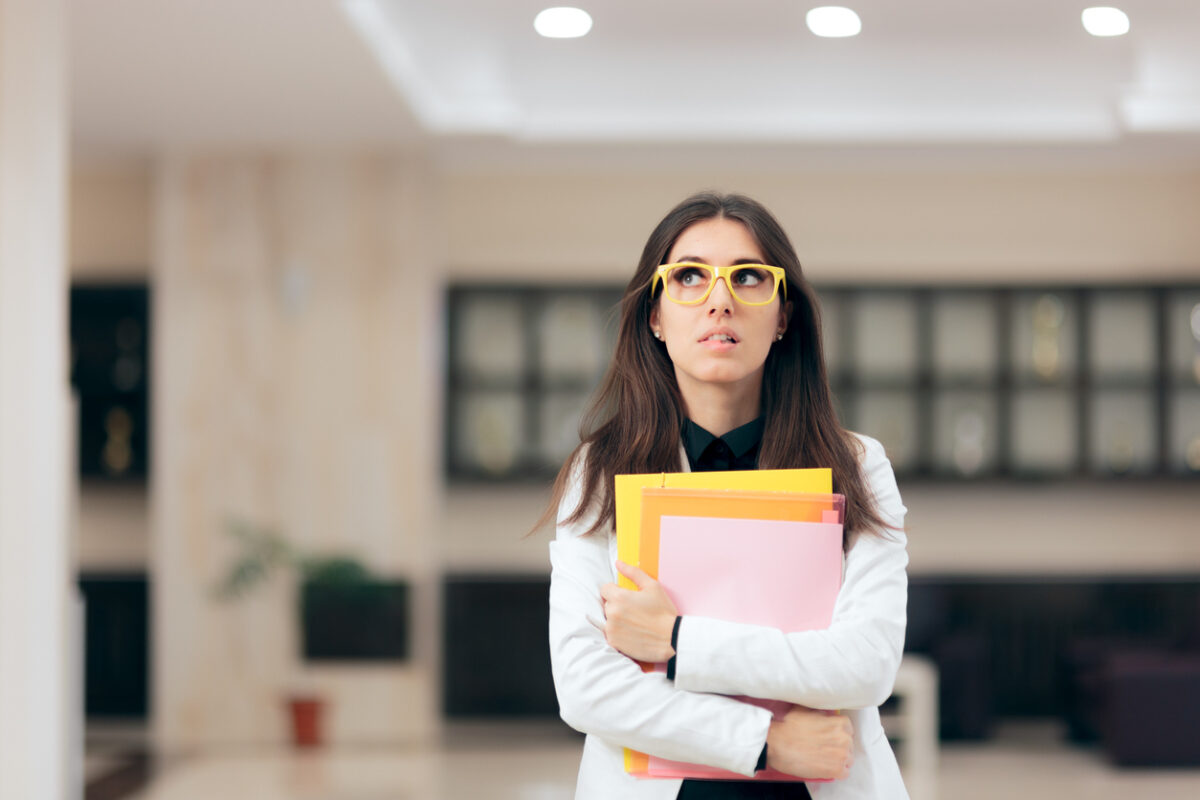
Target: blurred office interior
{"points": [[333, 282]]}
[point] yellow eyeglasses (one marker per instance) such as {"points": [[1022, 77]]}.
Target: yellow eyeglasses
{"points": [[689, 283]]}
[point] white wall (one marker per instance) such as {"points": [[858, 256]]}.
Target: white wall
{"points": [[895, 225], [1057, 528], [110, 220]]}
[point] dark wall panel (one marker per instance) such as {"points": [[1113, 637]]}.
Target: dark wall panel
{"points": [[1019, 632], [117, 645], [110, 363], [497, 651]]}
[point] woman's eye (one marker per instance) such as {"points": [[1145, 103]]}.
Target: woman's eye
{"points": [[689, 276], [749, 277]]}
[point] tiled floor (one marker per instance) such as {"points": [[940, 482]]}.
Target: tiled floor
{"points": [[516, 762]]}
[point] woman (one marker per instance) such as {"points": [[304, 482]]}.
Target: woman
{"points": [[718, 365]]}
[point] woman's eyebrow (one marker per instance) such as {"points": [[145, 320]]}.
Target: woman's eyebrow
{"points": [[699, 260]]}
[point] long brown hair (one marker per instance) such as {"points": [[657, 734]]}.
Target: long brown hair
{"points": [[635, 420]]}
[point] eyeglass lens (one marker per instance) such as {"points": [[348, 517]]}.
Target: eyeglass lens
{"points": [[749, 284]]}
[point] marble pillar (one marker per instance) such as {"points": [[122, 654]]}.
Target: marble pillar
{"points": [[297, 321], [39, 721]]}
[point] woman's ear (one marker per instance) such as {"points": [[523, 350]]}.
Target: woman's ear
{"points": [[655, 330], [785, 313]]}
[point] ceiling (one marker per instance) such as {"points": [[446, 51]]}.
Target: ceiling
{"points": [[656, 80]]}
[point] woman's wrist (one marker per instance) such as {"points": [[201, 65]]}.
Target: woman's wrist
{"points": [[671, 662]]}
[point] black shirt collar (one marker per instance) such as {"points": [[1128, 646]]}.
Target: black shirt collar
{"points": [[737, 449]]}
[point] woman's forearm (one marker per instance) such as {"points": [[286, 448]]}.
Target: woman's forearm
{"points": [[602, 692]]}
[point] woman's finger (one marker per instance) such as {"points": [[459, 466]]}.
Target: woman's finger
{"points": [[635, 574]]}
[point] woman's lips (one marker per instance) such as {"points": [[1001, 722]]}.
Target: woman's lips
{"points": [[719, 333], [719, 341]]}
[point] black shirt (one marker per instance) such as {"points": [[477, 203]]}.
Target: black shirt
{"points": [[736, 450]]}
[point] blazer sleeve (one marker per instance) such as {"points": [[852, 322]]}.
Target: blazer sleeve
{"points": [[852, 663], [604, 693]]}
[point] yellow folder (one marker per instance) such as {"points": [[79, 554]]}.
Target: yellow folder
{"points": [[629, 518]]}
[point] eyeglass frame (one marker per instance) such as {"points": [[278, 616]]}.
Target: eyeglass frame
{"points": [[718, 273]]}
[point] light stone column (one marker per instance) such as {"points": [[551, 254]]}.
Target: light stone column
{"points": [[35, 718], [296, 383]]}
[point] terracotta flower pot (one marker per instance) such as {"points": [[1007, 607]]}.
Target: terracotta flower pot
{"points": [[306, 713]]}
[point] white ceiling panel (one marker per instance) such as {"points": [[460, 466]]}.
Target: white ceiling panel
{"points": [[161, 74]]}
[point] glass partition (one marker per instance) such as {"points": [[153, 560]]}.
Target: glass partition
{"points": [[958, 382]]}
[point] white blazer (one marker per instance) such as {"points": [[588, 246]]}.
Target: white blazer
{"points": [[851, 666]]}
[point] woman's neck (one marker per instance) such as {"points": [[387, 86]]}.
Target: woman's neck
{"points": [[719, 408]]}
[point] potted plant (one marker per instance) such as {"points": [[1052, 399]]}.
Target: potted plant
{"points": [[346, 613]]}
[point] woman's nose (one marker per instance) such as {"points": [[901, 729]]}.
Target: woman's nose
{"points": [[720, 299]]}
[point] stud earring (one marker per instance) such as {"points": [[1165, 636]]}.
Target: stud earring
{"points": [[779, 337], [658, 335]]}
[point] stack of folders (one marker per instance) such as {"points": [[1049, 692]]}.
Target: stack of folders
{"points": [[762, 547]]}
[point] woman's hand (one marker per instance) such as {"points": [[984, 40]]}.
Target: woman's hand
{"points": [[638, 623], [811, 744]]}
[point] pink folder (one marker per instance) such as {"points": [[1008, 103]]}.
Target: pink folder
{"points": [[778, 573], [785, 575], [728, 553]]}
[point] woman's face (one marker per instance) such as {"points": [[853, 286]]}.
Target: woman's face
{"points": [[719, 341]]}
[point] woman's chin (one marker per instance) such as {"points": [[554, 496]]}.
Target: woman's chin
{"points": [[722, 375]]}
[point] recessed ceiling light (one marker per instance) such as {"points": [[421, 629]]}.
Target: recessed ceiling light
{"points": [[562, 22], [833, 22], [1105, 21]]}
